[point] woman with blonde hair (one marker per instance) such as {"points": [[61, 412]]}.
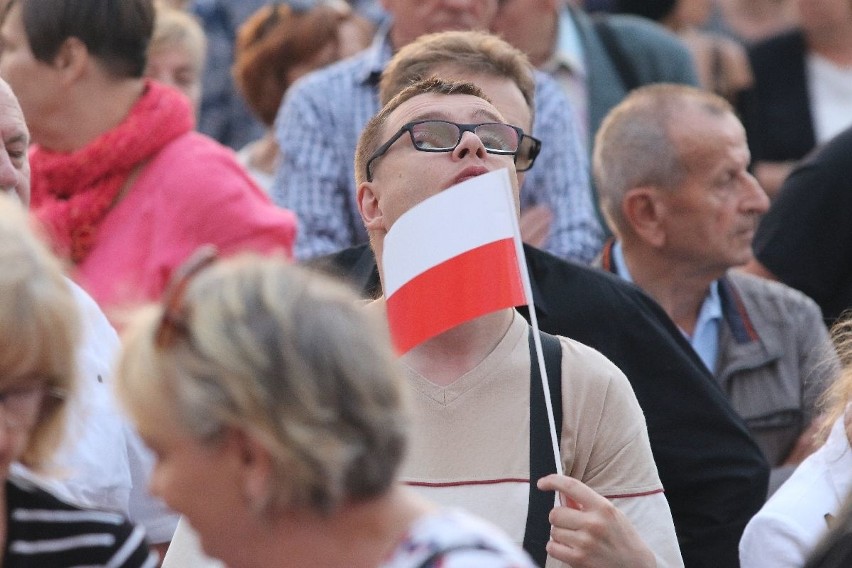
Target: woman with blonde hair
{"points": [[39, 329], [273, 404], [176, 51]]}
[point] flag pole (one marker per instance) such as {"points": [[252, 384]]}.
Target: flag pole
{"points": [[545, 383]]}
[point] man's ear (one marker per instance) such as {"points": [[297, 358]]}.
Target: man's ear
{"points": [[644, 212], [71, 59], [369, 207]]}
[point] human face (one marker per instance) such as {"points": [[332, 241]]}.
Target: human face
{"points": [[15, 139], [689, 13], [529, 25], [200, 480], [175, 65], [405, 176], [710, 219], [413, 18], [505, 95], [34, 82]]}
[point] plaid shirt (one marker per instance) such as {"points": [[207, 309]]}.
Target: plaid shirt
{"points": [[318, 127]]}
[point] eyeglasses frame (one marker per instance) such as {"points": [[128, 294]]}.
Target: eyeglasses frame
{"points": [[408, 127]]}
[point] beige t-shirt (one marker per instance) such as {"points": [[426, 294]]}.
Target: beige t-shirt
{"points": [[469, 443]]}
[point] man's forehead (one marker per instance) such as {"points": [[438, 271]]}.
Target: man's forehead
{"points": [[455, 107]]}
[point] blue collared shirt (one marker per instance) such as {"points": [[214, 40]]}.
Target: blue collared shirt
{"points": [[705, 337], [318, 127]]}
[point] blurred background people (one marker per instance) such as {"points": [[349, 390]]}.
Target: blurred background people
{"points": [[102, 464], [802, 87], [321, 117], [176, 52], [275, 46], [124, 186], [721, 62], [750, 21], [596, 61], [224, 114], [805, 240], [787, 529], [276, 409], [39, 330]]}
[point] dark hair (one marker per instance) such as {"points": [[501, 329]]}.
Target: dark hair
{"points": [[117, 32]]}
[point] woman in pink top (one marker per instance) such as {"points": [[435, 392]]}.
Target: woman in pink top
{"points": [[125, 187]]}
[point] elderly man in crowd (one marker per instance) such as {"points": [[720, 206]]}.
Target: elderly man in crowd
{"points": [[671, 163], [320, 120]]}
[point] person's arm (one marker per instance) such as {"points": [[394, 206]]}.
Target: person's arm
{"points": [[560, 180], [313, 177], [589, 531]]}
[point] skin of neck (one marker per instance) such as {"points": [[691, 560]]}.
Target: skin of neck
{"points": [[93, 106], [679, 287]]}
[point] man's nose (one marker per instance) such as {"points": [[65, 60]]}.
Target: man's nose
{"points": [[756, 200], [470, 144]]}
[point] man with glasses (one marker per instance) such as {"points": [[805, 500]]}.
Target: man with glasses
{"points": [[323, 114], [469, 382], [713, 472]]}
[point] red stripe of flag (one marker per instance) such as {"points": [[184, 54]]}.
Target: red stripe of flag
{"points": [[477, 282]]}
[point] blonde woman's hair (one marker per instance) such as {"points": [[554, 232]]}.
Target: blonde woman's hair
{"points": [[288, 357], [39, 327], [173, 26]]}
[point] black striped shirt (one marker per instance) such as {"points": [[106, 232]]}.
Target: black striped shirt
{"points": [[45, 532]]}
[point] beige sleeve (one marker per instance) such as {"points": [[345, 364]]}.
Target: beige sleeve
{"points": [[605, 445]]}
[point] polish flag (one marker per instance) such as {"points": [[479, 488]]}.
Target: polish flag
{"points": [[452, 258]]}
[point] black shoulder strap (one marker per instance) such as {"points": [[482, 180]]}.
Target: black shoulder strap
{"points": [[617, 55], [542, 463]]}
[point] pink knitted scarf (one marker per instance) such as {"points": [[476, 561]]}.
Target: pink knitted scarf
{"points": [[73, 192]]}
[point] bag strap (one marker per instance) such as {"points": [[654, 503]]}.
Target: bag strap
{"points": [[617, 55], [542, 463]]}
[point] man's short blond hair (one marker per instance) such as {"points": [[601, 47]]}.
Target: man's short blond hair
{"points": [[371, 135], [471, 52]]}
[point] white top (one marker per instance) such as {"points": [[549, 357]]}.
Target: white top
{"points": [[830, 90], [102, 464], [784, 532], [469, 542]]}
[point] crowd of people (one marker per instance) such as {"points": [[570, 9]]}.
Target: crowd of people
{"points": [[199, 256]]}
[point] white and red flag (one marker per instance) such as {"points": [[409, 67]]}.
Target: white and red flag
{"points": [[452, 258]]}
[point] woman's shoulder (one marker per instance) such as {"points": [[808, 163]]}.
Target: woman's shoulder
{"points": [[52, 533], [450, 538]]}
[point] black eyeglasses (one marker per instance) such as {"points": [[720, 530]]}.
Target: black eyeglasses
{"points": [[445, 136]]}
